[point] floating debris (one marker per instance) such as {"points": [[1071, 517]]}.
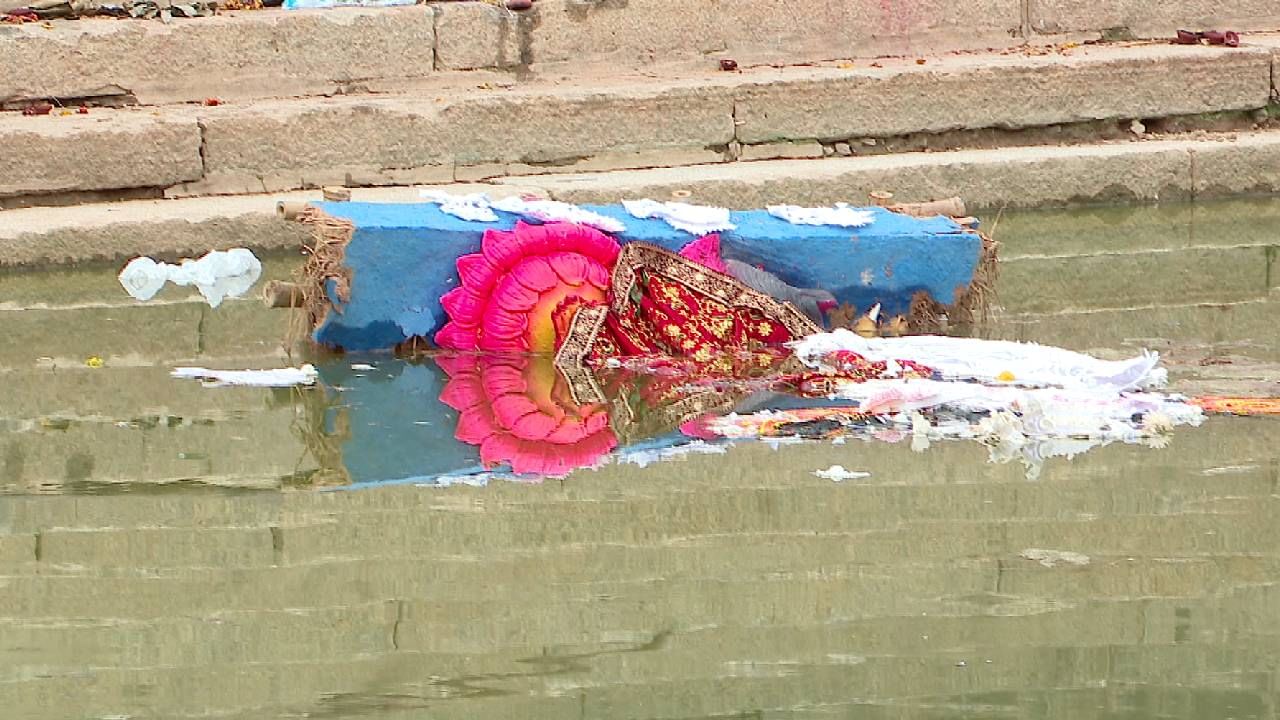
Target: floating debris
{"points": [[284, 377], [217, 275], [1051, 558], [837, 473]]}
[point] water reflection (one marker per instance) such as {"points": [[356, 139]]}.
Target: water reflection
{"points": [[467, 417], [520, 412], [470, 418], [150, 566]]}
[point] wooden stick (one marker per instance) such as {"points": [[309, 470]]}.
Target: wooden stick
{"points": [[950, 207], [337, 194]]}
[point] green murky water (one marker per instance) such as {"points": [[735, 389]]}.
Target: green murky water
{"points": [[172, 551]]}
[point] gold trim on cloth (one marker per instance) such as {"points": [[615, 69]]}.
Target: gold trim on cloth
{"points": [[637, 256]]}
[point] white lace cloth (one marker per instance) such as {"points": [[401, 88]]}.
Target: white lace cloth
{"points": [[556, 211], [840, 216], [693, 219], [479, 207], [468, 207]]}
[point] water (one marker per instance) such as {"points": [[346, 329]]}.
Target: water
{"points": [[170, 551]]}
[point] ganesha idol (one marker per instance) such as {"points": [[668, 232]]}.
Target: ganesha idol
{"points": [[591, 283]]}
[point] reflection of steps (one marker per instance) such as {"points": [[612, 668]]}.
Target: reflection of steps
{"points": [[78, 429], [678, 586], [67, 426], [93, 316]]}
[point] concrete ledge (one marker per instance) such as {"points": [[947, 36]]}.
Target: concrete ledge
{"points": [[1009, 177], [1152, 18], [104, 150], [1002, 91], [275, 53], [283, 146], [251, 54], [460, 132], [1248, 165], [1014, 177], [647, 31], [38, 236], [172, 228], [474, 35]]}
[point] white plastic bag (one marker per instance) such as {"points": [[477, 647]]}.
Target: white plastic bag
{"points": [[217, 275]]}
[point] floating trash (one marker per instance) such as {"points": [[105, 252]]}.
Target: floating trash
{"points": [[217, 275], [837, 473], [284, 377]]}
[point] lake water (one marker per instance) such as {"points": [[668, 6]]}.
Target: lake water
{"points": [[170, 551]]}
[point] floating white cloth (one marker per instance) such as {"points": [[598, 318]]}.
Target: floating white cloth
{"points": [[467, 207], [694, 219], [837, 473], [556, 211], [991, 360], [1050, 558], [217, 275], [841, 215], [284, 377]]}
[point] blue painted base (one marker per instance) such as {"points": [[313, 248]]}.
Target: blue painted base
{"points": [[402, 258]]}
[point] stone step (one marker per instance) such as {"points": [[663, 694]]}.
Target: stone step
{"points": [[277, 53], [1182, 168], [1177, 168], [272, 53], [449, 133], [109, 231]]}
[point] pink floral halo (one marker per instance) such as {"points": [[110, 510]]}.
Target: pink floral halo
{"points": [[512, 287]]}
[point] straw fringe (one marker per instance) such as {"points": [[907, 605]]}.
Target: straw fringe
{"points": [[973, 302], [326, 261]]}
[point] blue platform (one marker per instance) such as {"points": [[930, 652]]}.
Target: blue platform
{"points": [[402, 258]]}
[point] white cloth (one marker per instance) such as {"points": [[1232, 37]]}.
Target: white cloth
{"points": [[467, 207], [480, 208], [990, 360], [840, 216], [693, 219], [283, 377], [217, 275], [556, 211], [837, 473], [1027, 424]]}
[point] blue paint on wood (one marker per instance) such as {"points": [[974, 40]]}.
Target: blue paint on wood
{"points": [[402, 261]]}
